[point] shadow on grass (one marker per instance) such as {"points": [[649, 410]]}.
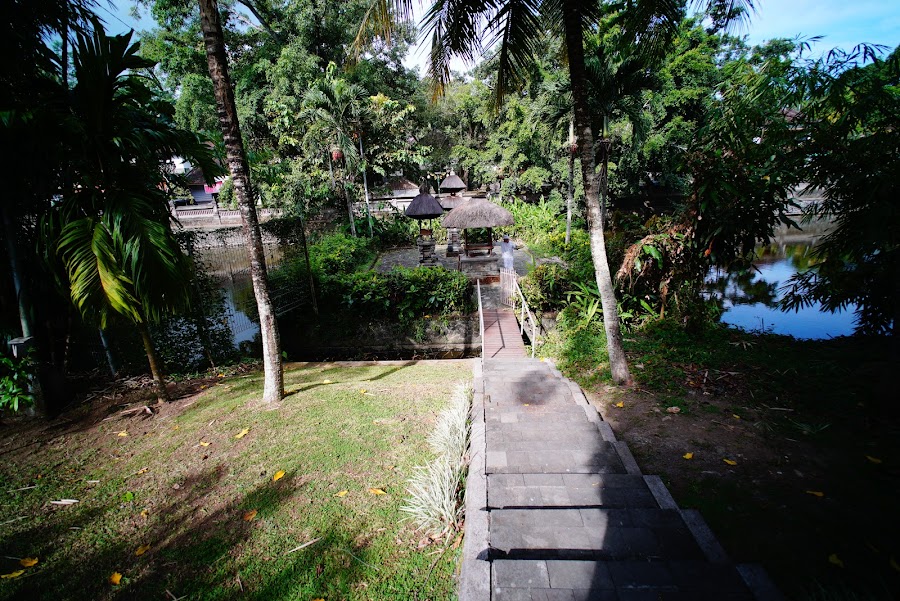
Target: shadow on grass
{"points": [[200, 547]]}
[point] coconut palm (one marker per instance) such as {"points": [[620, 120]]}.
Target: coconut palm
{"points": [[111, 229], [211, 25], [332, 108], [463, 28]]}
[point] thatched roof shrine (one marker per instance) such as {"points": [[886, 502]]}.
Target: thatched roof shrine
{"points": [[478, 213]]}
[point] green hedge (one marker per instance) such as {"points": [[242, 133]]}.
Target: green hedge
{"points": [[402, 294]]}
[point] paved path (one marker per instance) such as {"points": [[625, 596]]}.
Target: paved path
{"points": [[557, 509]]}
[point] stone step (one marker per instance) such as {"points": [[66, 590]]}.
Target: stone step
{"points": [[513, 430], [600, 458], [677, 580], [596, 533], [568, 490]]}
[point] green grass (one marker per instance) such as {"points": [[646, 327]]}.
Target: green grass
{"points": [[160, 487]]}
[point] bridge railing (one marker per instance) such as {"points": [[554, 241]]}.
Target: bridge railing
{"points": [[480, 319], [510, 295]]}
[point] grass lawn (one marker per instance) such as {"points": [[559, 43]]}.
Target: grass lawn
{"points": [[184, 485]]}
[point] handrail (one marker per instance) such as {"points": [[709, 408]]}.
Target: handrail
{"points": [[526, 312], [480, 320]]}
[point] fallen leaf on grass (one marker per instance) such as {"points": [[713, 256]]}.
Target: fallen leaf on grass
{"points": [[377, 491], [143, 470], [27, 562], [730, 462], [620, 404], [327, 382], [122, 433], [204, 444], [278, 476], [688, 455], [735, 416], [115, 578], [833, 559], [673, 409], [874, 460], [15, 574], [64, 502], [341, 494], [362, 391], [144, 513], [816, 493], [242, 433], [249, 515], [176, 427], [141, 550]]}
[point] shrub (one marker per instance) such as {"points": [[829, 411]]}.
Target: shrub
{"points": [[339, 253], [545, 287], [403, 294], [15, 376]]}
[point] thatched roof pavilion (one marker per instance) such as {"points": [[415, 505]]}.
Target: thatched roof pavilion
{"points": [[424, 206], [452, 183], [477, 213]]}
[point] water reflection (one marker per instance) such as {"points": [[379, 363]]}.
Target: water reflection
{"points": [[748, 298]]}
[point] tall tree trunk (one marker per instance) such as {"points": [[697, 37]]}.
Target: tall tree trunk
{"points": [[155, 366], [570, 197], [365, 185], [107, 350], [604, 145], [618, 363], [273, 390], [309, 272], [349, 205], [15, 268]]}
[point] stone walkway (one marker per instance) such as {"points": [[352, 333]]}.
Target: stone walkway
{"points": [[557, 508]]}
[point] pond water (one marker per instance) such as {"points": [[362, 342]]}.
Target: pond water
{"points": [[749, 298]]}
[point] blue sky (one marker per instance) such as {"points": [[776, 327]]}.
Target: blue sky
{"points": [[843, 23]]}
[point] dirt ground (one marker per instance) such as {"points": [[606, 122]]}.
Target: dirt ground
{"points": [[819, 513]]}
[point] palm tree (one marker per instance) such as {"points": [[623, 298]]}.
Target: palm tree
{"points": [[273, 390], [111, 231], [332, 107], [461, 28]]}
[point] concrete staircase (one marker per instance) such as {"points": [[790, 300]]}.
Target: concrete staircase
{"points": [[557, 508]]}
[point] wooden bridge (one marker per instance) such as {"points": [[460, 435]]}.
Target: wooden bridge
{"points": [[502, 333]]}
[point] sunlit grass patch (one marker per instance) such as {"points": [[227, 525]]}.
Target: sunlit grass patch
{"points": [[183, 483]]}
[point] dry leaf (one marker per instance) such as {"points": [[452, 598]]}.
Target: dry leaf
{"points": [[874, 460], [688, 455], [115, 578], [242, 433], [122, 433], [673, 410], [620, 404], [327, 382], [341, 494], [27, 562], [249, 515], [204, 444], [278, 476], [377, 491], [735, 416], [362, 391], [835, 560], [141, 550], [815, 493], [143, 470], [15, 574], [319, 599], [730, 462], [144, 513], [176, 427]]}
